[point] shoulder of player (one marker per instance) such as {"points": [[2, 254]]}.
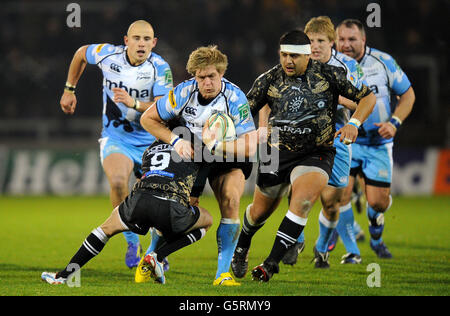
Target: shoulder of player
{"points": [[231, 91], [270, 75], [326, 69], [382, 57], [185, 89], [104, 50], [156, 59]]}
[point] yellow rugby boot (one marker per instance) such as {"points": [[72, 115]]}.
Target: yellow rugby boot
{"points": [[143, 272], [226, 279]]}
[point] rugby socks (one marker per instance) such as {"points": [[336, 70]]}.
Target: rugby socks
{"points": [[376, 223], [131, 237], [249, 228], [91, 247], [227, 237], [182, 242], [156, 242], [326, 228], [301, 238], [290, 229], [345, 229]]}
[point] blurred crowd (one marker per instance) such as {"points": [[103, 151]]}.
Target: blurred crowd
{"points": [[37, 45]]}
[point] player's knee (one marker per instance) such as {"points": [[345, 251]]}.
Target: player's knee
{"points": [[229, 204], [330, 206], [379, 206], [119, 185], [303, 206]]}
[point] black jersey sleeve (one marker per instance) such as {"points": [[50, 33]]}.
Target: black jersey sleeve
{"points": [[257, 96], [344, 86]]}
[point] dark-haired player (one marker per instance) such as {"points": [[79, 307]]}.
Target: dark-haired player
{"points": [[302, 95]]}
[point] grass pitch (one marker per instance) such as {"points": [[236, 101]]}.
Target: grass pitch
{"points": [[42, 233]]}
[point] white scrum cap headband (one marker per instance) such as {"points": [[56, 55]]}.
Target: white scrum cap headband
{"points": [[296, 49]]}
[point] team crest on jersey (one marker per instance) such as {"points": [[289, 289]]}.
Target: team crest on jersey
{"points": [[295, 104]]}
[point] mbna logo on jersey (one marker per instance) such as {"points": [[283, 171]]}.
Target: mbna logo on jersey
{"points": [[115, 67]]}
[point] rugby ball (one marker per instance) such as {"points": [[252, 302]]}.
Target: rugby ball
{"points": [[223, 126]]}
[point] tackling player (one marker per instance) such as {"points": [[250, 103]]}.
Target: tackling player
{"points": [[372, 151], [132, 77], [193, 101], [302, 95], [160, 200]]}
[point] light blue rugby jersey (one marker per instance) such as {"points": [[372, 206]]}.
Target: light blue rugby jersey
{"points": [[384, 77], [354, 75], [144, 82], [183, 102]]}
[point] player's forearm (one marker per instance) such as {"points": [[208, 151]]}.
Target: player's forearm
{"points": [[155, 126], [143, 106], [245, 146], [365, 107], [77, 66], [405, 105], [349, 104]]}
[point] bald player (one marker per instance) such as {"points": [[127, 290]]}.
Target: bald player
{"points": [[133, 78]]}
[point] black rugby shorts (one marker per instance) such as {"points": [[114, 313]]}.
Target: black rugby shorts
{"points": [[142, 210]]}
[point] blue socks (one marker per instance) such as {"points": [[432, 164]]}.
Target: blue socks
{"points": [[301, 238], [326, 228], [227, 237], [376, 224], [345, 229], [131, 237], [156, 238]]}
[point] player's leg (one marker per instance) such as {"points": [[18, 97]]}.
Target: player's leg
{"points": [[307, 184], [378, 176], [379, 201], [182, 226], [291, 255], [118, 168], [228, 189], [265, 202], [193, 234], [328, 216], [345, 224], [91, 247]]}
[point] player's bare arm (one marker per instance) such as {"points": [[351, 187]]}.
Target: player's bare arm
{"points": [[244, 146], [122, 96], [405, 104], [349, 104], [68, 100], [152, 123]]}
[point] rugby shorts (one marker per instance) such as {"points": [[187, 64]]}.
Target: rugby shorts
{"points": [[209, 171], [341, 166], [109, 145], [375, 162], [142, 210], [322, 158]]}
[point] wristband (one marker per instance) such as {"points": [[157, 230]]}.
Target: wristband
{"points": [[395, 121], [69, 88], [137, 105], [174, 140], [355, 122]]}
